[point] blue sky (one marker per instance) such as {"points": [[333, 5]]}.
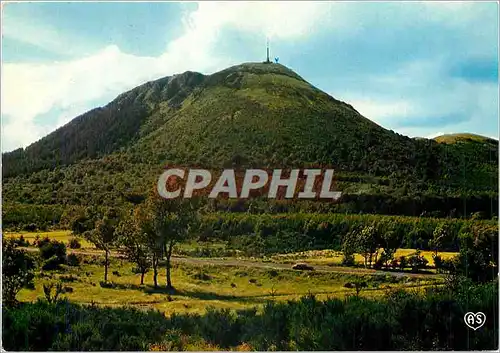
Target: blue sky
{"points": [[418, 68]]}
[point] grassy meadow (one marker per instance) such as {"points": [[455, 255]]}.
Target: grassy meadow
{"points": [[59, 235], [199, 287], [238, 285]]}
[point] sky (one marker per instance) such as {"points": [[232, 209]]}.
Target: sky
{"points": [[418, 68]]}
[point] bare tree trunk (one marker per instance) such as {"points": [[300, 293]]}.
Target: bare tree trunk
{"points": [[142, 277], [155, 270], [106, 264], [168, 265]]}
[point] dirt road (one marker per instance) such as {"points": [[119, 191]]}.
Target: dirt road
{"points": [[238, 262]]}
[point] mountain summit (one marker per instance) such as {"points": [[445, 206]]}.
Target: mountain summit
{"points": [[248, 115]]}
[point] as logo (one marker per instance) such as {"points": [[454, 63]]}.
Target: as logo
{"points": [[475, 320]]}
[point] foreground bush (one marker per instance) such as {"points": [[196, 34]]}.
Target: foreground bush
{"points": [[74, 243], [17, 271], [400, 321], [53, 254]]}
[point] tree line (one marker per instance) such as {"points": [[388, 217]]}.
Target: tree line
{"points": [[279, 233]]}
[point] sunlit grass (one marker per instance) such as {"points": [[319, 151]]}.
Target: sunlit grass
{"points": [[60, 235], [198, 287], [332, 257]]}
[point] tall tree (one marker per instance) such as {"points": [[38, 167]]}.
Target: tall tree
{"points": [[172, 222], [104, 236], [390, 242], [368, 244], [143, 222], [440, 236], [134, 244]]}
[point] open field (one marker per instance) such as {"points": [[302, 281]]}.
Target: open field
{"points": [[199, 287], [229, 282], [59, 235], [313, 257], [331, 257]]}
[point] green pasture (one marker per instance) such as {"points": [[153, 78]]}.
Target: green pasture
{"points": [[198, 287]]}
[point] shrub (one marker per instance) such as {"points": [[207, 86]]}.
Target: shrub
{"points": [[47, 290], [403, 263], [54, 263], [69, 278], [202, 276], [72, 260], [17, 271], [40, 242], [30, 227], [273, 273], [304, 325], [417, 262], [348, 260], [53, 248], [451, 265], [379, 263], [104, 284], [74, 243], [21, 241], [356, 285], [438, 263]]}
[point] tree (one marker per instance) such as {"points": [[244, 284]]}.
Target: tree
{"points": [[415, 238], [390, 242], [17, 271], [349, 248], [439, 236], [53, 254], [368, 244], [143, 219], [83, 220], [172, 223], [417, 262], [403, 263], [478, 258], [134, 245], [173, 220], [104, 236]]}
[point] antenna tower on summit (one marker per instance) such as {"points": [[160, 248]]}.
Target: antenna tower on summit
{"points": [[267, 60]]}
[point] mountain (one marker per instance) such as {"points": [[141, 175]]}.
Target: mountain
{"points": [[253, 114]]}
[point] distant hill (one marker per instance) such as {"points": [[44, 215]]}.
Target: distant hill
{"points": [[465, 137], [253, 114]]}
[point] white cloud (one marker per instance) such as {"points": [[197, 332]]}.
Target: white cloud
{"points": [[421, 98], [380, 111]]}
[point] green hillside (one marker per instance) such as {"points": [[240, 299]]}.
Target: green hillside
{"points": [[465, 137], [260, 115]]}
